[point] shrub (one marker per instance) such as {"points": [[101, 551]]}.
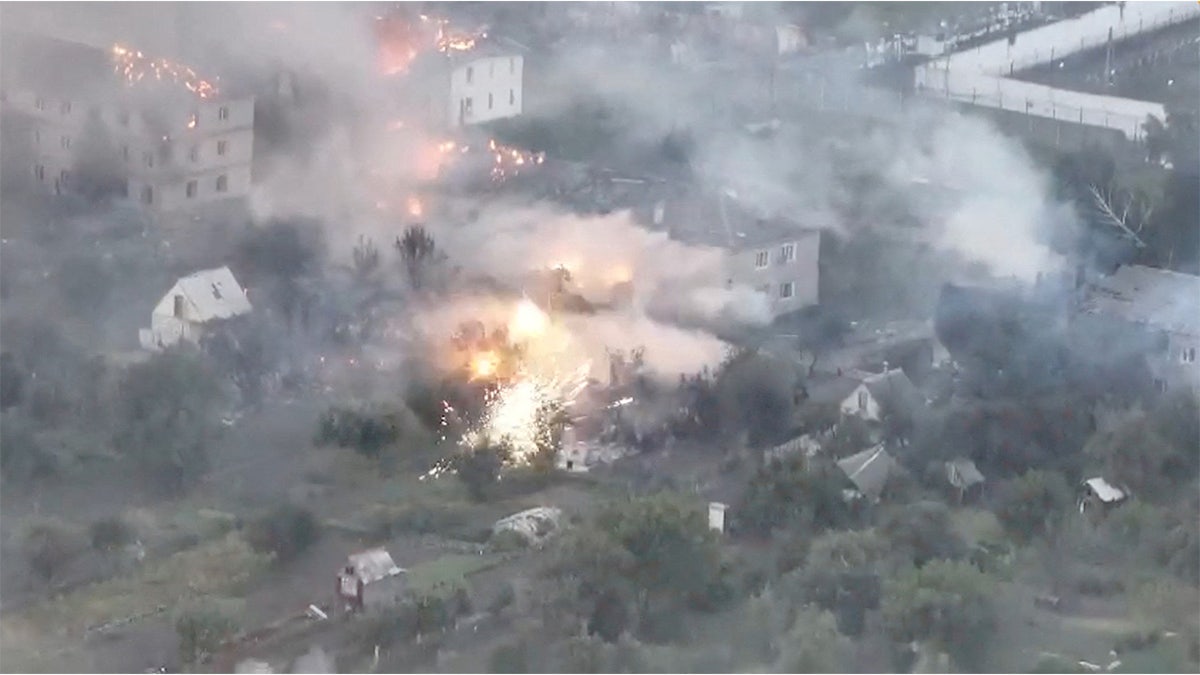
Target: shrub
{"points": [[479, 469], [202, 629], [108, 534], [285, 532], [507, 540], [49, 546]]}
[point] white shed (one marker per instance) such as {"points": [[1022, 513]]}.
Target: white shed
{"points": [[371, 580], [192, 304]]}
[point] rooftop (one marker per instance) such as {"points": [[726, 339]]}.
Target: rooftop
{"points": [[216, 294], [373, 564], [1153, 297], [719, 218]]}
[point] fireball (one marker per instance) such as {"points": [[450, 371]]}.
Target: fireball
{"points": [[528, 321], [484, 365]]}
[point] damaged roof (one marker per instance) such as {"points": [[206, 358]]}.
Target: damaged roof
{"points": [[1153, 297], [718, 218], [893, 391], [215, 294], [1105, 491], [373, 564], [869, 470]]}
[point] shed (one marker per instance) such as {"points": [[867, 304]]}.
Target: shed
{"points": [[869, 470], [1098, 492], [716, 516], [371, 580], [193, 304], [962, 474], [534, 525]]}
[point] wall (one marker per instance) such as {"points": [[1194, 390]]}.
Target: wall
{"points": [[802, 271], [496, 76], [980, 76], [170, 193]]}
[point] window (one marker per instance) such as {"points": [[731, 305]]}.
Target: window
{"points": [[787, 253], [148, 158], [65, 108], [765, 289], [191, 189], [512, 97], [194, 153], [862, 401], [222, 146], [786, 290], [512, 65], [193, 121], [489, 101], [63, 176], [178, 308], [39, 172], [470, 74], [761, 259], [148, 198], [469, 105], [1188, 355], [1160, 385], [65, 142], [37, 137], [223, 113], [222, 183], [125, 152], [39, 103]]}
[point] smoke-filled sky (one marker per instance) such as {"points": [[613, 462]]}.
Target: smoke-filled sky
{"points": [[999, 207]]}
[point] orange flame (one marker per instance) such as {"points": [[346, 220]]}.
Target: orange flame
{"points": [[134, 66]]}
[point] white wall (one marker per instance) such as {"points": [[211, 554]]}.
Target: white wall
{"points": [[497, 76], [803, 271]]}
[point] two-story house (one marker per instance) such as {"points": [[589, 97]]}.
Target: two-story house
{"points": [[1152, 311], [71, 113], [455, 88], [773, 255]]}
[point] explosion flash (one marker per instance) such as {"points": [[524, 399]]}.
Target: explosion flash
{"points": [[528, 322], [485, 365], [135, 66]]}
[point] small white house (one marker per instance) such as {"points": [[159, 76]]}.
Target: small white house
{"points": [[192, 305], [877, 391], [370, 581]]}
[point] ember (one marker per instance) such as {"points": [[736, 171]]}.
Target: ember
{"points": [[135, 66]]}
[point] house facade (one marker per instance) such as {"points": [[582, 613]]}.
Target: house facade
{"points": [[371, 581], [161, 144], [775, 256], [1153, 311], [455, 89], [193, 305]]}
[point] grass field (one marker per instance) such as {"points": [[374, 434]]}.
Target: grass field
{"points": [[450, 571]]}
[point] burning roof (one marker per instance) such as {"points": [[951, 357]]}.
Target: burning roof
{"points": [[136, 67]]}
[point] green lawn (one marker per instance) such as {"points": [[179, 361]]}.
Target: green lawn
{"points": [[450, 571]]}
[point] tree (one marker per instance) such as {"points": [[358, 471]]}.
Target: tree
{"points": [[86, 284], [366, 259], [280, 250], [110, 534], [794, 492], [654, 553], [947, 603], [756, 393], [1137, 455], [286, 532], [22, 457], [813, 645], [49, 546], [1032, 504], [417, 252], [168, 411], [842, 574], [923, 532], [368, 432], [479, 468], [202, 629], [12, 381]]}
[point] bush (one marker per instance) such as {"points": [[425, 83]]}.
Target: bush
{"points": [[23, 458], [286, 532], [109, 534], [202, 629], [368, 434], [479, 469], [507, 540], [49, 546], [510, 658], [1031, 504], [504, 599]]}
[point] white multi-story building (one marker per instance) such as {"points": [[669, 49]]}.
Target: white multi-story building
{"points": [[69, 119], [465, 88]]}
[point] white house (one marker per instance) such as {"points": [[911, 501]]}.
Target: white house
{"points": [[716, 516], [454, 89], [170, 144], [192, 305], [875, 392], [371, 581]]}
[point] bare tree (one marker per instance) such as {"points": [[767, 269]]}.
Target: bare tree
{"points": [[366, 259], [417, 251], [1125, 210]]}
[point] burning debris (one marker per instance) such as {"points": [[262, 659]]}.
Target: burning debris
{"points": [[135, 66], [402, 40], [509, 160]]}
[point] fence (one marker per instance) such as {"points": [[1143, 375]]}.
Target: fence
{"points": [[979, 77]]}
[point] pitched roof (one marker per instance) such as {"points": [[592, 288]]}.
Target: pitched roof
{"points": [[215, 294], [373, 564], [894, 391], [1107, 492], [831, 389], [962, 473], [868, 470], [718, 218], [1157, 298]]}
